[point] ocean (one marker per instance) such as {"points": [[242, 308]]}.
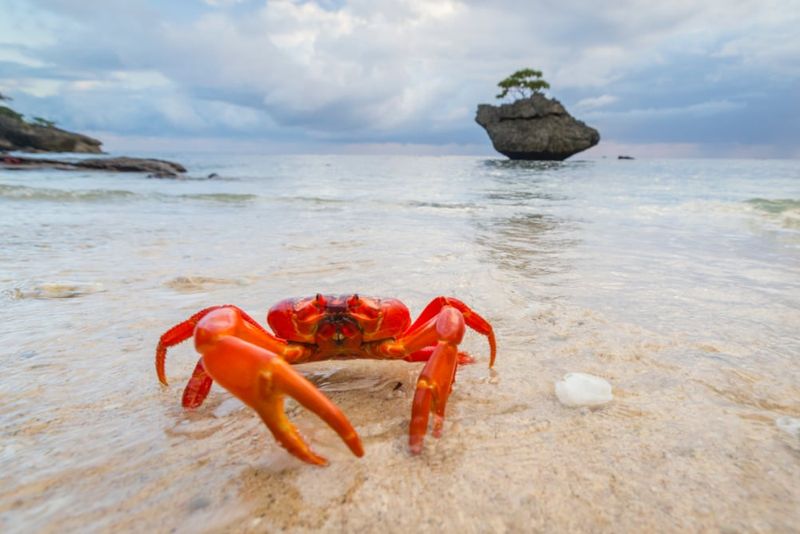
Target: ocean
{"points": [[677, 281]]}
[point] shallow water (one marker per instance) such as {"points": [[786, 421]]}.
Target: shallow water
{"points": [[676, 281]]}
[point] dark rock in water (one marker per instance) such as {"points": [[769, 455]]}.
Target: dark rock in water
{"points": [[125, 164], [624, 157], [16, 134], [156, 167], [535, 128], [20, 136]]}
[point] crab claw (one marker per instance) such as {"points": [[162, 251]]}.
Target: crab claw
{"points": [[280, 379], [260, 378]]}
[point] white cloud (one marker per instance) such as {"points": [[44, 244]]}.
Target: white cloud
{"points": [[369, 69], [40, 88], [14, 55], [180, 112], [140, 79], [596, 102], [701, 109]]}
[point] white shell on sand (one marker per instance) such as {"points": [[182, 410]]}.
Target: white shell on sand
{"points": [[581, 389]]}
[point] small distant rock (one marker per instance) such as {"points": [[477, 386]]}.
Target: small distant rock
{"points": [[625, 157], [535, 128], [581, 389]]}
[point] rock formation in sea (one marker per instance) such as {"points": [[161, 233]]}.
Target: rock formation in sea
{"points": [[157, 168], [535, 128], [16, 134]]}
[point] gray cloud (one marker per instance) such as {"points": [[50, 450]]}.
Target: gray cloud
{"points": [[399, 71]]}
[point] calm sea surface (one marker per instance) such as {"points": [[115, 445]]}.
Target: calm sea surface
{"points": [[676, 281]]}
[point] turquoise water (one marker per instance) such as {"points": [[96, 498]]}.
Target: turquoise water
{"points": [[677, 281]]}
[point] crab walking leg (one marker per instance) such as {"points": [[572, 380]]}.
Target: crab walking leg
{"points": [[198, 387], [436, 380], [472, 318], [260, 378]]}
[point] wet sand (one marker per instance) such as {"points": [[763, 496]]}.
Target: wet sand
{"points": [[678, 449]]}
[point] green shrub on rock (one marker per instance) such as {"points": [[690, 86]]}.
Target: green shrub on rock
{"points": [[523, 84]]}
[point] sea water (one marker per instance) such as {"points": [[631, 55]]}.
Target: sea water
{"points": [[678, 282]]}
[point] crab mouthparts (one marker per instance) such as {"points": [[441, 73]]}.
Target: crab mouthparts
{"points": [[338, 329]]}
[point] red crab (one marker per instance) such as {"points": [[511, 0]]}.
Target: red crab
{"points": [[254, 364]]}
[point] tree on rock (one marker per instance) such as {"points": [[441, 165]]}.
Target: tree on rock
{"points": [[523, 84], [6, 111], [38, 121]]}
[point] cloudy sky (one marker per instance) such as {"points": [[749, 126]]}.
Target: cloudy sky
{"points": [[717, 78]]}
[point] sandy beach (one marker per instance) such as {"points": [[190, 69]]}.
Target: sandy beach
{"points": [[676, 282]]}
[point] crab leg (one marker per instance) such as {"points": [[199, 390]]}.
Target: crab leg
{"points": [[472, 318], [425, 354], [197, 388], [199, 385], [444, 330], [261, 378]]}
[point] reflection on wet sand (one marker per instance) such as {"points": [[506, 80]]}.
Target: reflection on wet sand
{"points": [[531, 240], [527, 243]]}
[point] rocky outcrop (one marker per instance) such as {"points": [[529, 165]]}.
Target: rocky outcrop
{"points": [[16, 134], [535, 128], [156, 168]]}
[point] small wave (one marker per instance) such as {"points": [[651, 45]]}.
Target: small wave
{"points": [[787, 210], [441, 205], [315, 200], [523, 197], [220, 197], [774, 206], [55, 290], [23, 192]]}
